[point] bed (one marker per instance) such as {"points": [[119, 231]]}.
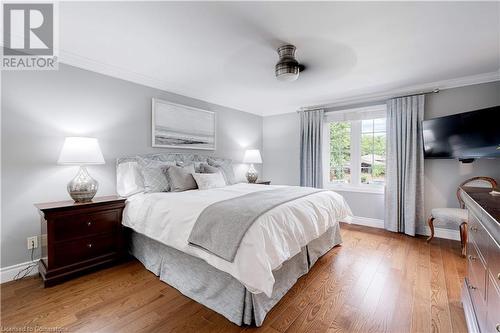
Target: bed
{"points": [[281, 245]]}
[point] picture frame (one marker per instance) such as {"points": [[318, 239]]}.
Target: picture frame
{"points": [[182, 127]]}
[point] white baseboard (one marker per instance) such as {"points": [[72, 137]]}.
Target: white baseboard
{"points": [[7, 273], [367, 221], [442, 233], [377, 223]]}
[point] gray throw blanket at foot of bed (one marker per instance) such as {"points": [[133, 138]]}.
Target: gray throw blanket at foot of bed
{"points": [[221, 226]]}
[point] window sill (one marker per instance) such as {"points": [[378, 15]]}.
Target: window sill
{"points": [[354, 188]]}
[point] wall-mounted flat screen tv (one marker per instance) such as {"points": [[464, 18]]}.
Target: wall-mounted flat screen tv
{"points": [[468, 135]]}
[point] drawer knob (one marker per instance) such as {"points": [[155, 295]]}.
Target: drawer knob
{"points": [[472, 258], [89, 223], [89, 245], [473, 229], [471, 287]]}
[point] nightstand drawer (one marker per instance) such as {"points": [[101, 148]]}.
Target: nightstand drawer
{"points": [[82, 225], [72, 252]]}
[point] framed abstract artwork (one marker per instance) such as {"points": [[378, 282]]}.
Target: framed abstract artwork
{"points": [[180, 126]]}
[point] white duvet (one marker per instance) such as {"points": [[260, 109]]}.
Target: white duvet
{"points": [[275, 237]]}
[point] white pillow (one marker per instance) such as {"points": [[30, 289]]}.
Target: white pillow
{"points": [[206, 181], [129, 179]]}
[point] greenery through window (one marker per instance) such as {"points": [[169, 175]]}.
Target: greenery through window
{"points": [[373, 151], [340, 152], [357, 151]]}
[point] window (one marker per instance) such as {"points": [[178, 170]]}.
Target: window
{"points": [[340, 152], [372, 158], [355, 151]]}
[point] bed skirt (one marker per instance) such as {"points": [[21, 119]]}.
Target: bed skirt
{"points": [[218, 290]]}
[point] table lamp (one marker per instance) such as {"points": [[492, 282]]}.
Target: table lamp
{"points": [[252, 156], [81, 151]]}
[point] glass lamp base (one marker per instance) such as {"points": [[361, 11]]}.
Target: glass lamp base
{"points": [[252, 174], [82, 188]]}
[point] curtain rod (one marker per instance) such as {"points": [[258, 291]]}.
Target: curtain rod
{"points": [[434, 91]]}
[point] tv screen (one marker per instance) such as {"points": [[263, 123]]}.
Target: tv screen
{"points": [[474, 134]]}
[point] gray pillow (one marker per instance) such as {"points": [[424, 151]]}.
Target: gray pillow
{"points": [[181, 178], [205, 168], [153, 173], [197, 165], [226, 168]]}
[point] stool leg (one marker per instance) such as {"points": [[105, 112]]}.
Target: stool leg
{"points": [[431, 226], [463, 238]]}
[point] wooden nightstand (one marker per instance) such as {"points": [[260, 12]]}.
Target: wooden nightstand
{"points": [[80, 237], [263, 182]]}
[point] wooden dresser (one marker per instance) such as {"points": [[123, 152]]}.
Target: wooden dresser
{"points": [[481, 290], [80, 237]]}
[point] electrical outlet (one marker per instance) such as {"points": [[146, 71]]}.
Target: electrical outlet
{"points": [[32, 242]]}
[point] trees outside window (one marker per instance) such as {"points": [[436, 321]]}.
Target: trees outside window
{"points": [[357, 152]]}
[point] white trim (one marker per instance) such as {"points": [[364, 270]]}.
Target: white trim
{"points": [[377, 223], [349, 114], [364, 96], [360, 96], [7, 273], [367, 222], [441, 233], [362, 188]]}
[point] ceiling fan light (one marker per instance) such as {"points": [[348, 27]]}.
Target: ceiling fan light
{"points": [[287, 68], [287, 74]]}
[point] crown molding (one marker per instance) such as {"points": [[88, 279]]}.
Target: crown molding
{"points": [[361, 96], [125, 74], [367, 97]]}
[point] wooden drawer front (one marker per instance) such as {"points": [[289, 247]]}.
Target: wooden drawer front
{"points": [[78, 250], [82, 225], [476, 271], [478, 235], [493, 315]]}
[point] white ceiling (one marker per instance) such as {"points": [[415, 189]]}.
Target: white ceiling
{"points": [[224, 53]]}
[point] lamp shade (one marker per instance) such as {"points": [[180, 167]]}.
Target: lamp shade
{"points": [[81, 151], [252, 156]]}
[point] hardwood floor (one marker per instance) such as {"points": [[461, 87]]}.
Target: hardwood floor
{"points": [[376, 281]]}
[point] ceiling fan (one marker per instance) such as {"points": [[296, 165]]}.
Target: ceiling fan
{"points": [[287, 68]]}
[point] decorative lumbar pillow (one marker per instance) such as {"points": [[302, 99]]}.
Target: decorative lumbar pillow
{"points": [[181, 178], [153, 173], [226, 168], [207, 181]]}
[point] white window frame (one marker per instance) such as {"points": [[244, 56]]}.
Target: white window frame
{"points": [[355, 116]]}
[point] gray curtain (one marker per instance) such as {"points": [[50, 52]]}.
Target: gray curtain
{"points": [[311, 131], [405, 164]]}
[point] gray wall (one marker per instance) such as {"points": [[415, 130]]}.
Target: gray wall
{"points": [[443, 176], [281, 152], [40, 108]]}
